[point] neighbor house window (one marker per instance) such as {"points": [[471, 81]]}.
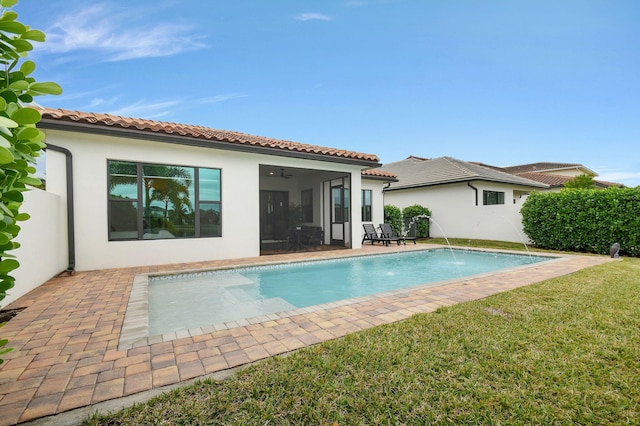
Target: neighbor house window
{"points": [[306, 205], [366, 205], [492, 197], [152, 201]]}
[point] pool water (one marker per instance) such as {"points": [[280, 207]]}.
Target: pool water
{"points": [[215, 297]]}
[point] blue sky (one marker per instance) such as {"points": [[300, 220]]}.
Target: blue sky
{"points": [[497, 81]]}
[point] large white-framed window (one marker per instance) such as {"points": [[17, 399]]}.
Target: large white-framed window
{"points": [[157, 201]]}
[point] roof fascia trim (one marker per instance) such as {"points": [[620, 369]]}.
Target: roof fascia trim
{"points": [[46, 123], [382, 178]]}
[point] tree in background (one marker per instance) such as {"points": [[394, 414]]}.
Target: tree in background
{"points": [[20, 141], [581, 182]]}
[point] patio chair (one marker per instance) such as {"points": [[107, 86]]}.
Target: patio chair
{"points": [[387, 233], [315, 236], [370, 234]]}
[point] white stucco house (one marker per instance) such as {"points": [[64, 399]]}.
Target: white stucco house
{"points": [[123, 192], [467, 200]]}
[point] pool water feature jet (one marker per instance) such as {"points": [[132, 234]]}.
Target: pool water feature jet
{"points": [[426, 216], [517, 233]]}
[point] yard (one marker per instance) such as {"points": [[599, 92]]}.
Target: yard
{"points": [[563, 351]]}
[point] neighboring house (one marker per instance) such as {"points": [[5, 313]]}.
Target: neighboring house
{"points": [[557, 182], [467, 200], [562, 169], [131, 192], [553, 174]]}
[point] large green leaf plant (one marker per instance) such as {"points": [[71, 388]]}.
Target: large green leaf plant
{"points": [[20, 141]]}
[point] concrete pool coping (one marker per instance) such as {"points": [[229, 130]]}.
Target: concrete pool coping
{"points": [[67, 359]]}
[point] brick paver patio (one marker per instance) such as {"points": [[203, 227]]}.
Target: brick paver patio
{"points": [[67, 350]]}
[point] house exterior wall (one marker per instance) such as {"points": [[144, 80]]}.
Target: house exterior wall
{"points": [[377, 202], [456, 215], [240, 199], [42, 253]]}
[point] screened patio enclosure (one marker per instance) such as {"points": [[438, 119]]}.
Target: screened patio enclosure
{"points": [[302, 209]]}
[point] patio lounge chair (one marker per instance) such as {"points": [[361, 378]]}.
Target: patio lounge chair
{"points": [[370, 234], [387, 233]]}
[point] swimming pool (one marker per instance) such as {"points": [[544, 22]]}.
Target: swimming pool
{"points": [[186, 301]]}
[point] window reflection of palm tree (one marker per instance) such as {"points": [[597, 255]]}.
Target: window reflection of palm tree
{"points": [[182, 210], [171, 191], [168, 185]]}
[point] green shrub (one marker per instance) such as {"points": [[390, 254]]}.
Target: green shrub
{"points": [[393, 216], [584, 220], [422, 223], [581, 182], [21, 142]]}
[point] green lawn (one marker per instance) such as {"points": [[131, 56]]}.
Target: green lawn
{"points": [[564, 351], [490, 244]]}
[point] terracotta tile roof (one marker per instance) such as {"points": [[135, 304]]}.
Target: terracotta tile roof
{"points": [[417, 172], [377, 173], [544, 167], [554, 181], [197, 132], [558, 181]]}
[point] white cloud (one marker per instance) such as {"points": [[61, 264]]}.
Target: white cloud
{"points": [[313, 17], [66, 96], [98, 102], [146, 110], [99, 29], [627, 178], [618, 175], [224, 97], [355, 3]]}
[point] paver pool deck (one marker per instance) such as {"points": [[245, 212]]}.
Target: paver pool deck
{"points": [[68, 352]]}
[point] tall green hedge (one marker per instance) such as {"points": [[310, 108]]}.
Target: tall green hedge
{"points": [[393, 216], [584, 220], [399, 219], [418, 213]]}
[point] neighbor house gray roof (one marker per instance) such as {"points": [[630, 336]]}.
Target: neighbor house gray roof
{"points": [[417, 172]]}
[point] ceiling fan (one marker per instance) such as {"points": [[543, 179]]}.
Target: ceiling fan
{"points": [[283, 175]]}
